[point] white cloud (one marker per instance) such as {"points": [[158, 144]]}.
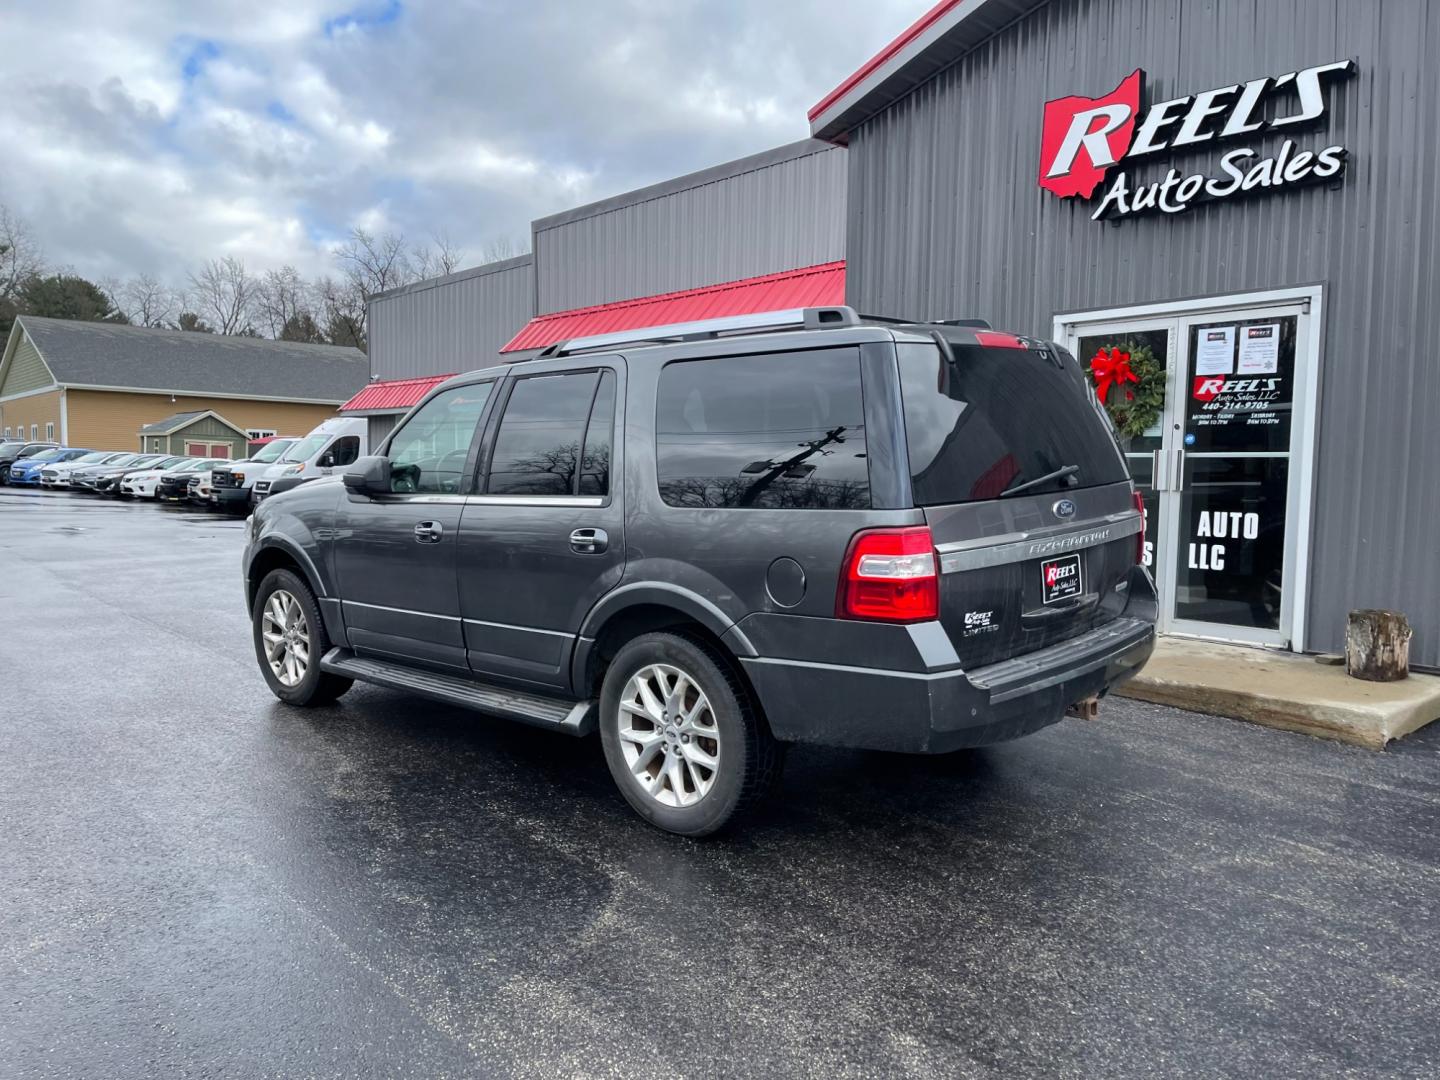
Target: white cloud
{"points": [[154, 135]]}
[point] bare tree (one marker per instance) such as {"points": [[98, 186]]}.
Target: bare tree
{"points": [[438, 260], [375, 263], [146, 301], [224, 292], [20, 255], [282, 297], [504, 247], [341, 312]]}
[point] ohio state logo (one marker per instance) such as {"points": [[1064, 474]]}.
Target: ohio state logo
{"points": [[1209, 387], [1082, 139]]}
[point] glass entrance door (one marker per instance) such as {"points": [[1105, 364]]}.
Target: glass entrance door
{"points": [[1215, 470], [1231, 471]]}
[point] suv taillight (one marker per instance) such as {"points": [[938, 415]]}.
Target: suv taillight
{"points": [[890, 576], [1140, 539]]}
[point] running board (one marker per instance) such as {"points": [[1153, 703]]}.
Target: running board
{"points": [[540, 710]]}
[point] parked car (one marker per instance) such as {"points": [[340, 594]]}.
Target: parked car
{"points": [[87, 478], [26, 471], [145, 483], [906, 537], [15, 449], [233, 482], [335, 444], [200, 490], [174, 484], [109, 483], [58, 474]]}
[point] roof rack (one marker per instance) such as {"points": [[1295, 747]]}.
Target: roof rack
{"points": [[978, 324], [814, 318]]}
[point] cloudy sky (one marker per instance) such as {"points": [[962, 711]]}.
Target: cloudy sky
{"points": [[150, 135]]}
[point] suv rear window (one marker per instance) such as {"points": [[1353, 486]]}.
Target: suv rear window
{"points": [[774, 431], [999, 418]]}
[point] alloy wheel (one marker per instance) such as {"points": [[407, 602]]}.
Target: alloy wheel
{"points": [[287, 637], [669, 735]]}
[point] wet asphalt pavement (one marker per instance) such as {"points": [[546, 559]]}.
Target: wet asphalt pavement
{"points": [[198, 881]]}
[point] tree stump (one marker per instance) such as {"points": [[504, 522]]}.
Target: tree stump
{"points": [[1377, 646]]}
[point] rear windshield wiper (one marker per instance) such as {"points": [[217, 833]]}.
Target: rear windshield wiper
{"points": [[1058, 474]]}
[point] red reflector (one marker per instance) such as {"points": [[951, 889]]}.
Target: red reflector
{"points": [[993, 339], [890, 576], [1140, 540]]}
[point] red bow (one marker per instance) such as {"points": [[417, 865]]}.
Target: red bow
{"points": [[1111, 369]]}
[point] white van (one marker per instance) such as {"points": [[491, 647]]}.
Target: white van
{"points": [[330, 447]]}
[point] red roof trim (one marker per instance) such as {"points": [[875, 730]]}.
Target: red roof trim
{"points": [[393, 394], [918, 27], [810, 286]]}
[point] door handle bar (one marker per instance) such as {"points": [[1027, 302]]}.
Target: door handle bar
{"points": [[589, 541]]}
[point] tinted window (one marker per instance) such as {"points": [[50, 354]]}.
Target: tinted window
{"points": [[428, 453], [537, 450], [999, 418], [783, 430], [595, 461], [345, 450]]}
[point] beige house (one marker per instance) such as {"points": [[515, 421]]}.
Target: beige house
{"points": [[97, 384]]}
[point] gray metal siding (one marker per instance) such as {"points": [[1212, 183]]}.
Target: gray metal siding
{"points": [[778, 211], [451, 324], [379, 428], [946, 219]]}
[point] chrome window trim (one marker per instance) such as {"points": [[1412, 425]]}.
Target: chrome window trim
{"points": [[493, 500], [537, 500], [987, 551]]}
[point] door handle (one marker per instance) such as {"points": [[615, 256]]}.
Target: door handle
{"points": [[429, 532], [1167, 470], [589, 541]]}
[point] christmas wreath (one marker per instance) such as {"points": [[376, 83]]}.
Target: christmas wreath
{"points": [[1130, 383]]}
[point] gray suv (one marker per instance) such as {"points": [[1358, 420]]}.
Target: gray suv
{"points": [[727, 537]]}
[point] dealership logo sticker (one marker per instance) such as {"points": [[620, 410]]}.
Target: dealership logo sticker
{"points": [[1083, 139]]}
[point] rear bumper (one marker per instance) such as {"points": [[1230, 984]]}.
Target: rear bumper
{"points": [[936, 712]]}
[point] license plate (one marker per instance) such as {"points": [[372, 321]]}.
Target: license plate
{"points": [[1060, 578]]}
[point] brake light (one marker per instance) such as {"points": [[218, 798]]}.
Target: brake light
{"points": [[890, 576], [993, 339], [1140, 539]]}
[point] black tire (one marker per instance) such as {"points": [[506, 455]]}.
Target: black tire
{"points": [[750, 759], [315, 687]]}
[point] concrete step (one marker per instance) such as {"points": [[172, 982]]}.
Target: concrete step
{"points": [[1285, 691]]}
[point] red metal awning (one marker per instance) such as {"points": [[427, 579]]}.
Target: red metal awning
{"points": [[811, 286], [392, 395]]}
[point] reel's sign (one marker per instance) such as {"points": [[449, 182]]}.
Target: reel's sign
{"points": [[1084, 138]]}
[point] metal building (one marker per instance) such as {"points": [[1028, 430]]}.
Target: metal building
{"points": [[1239, 196], [767, 229], [778, 210], [437, 327]]}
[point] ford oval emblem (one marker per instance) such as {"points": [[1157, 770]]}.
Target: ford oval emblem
{"points": [[1064, 509]]}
